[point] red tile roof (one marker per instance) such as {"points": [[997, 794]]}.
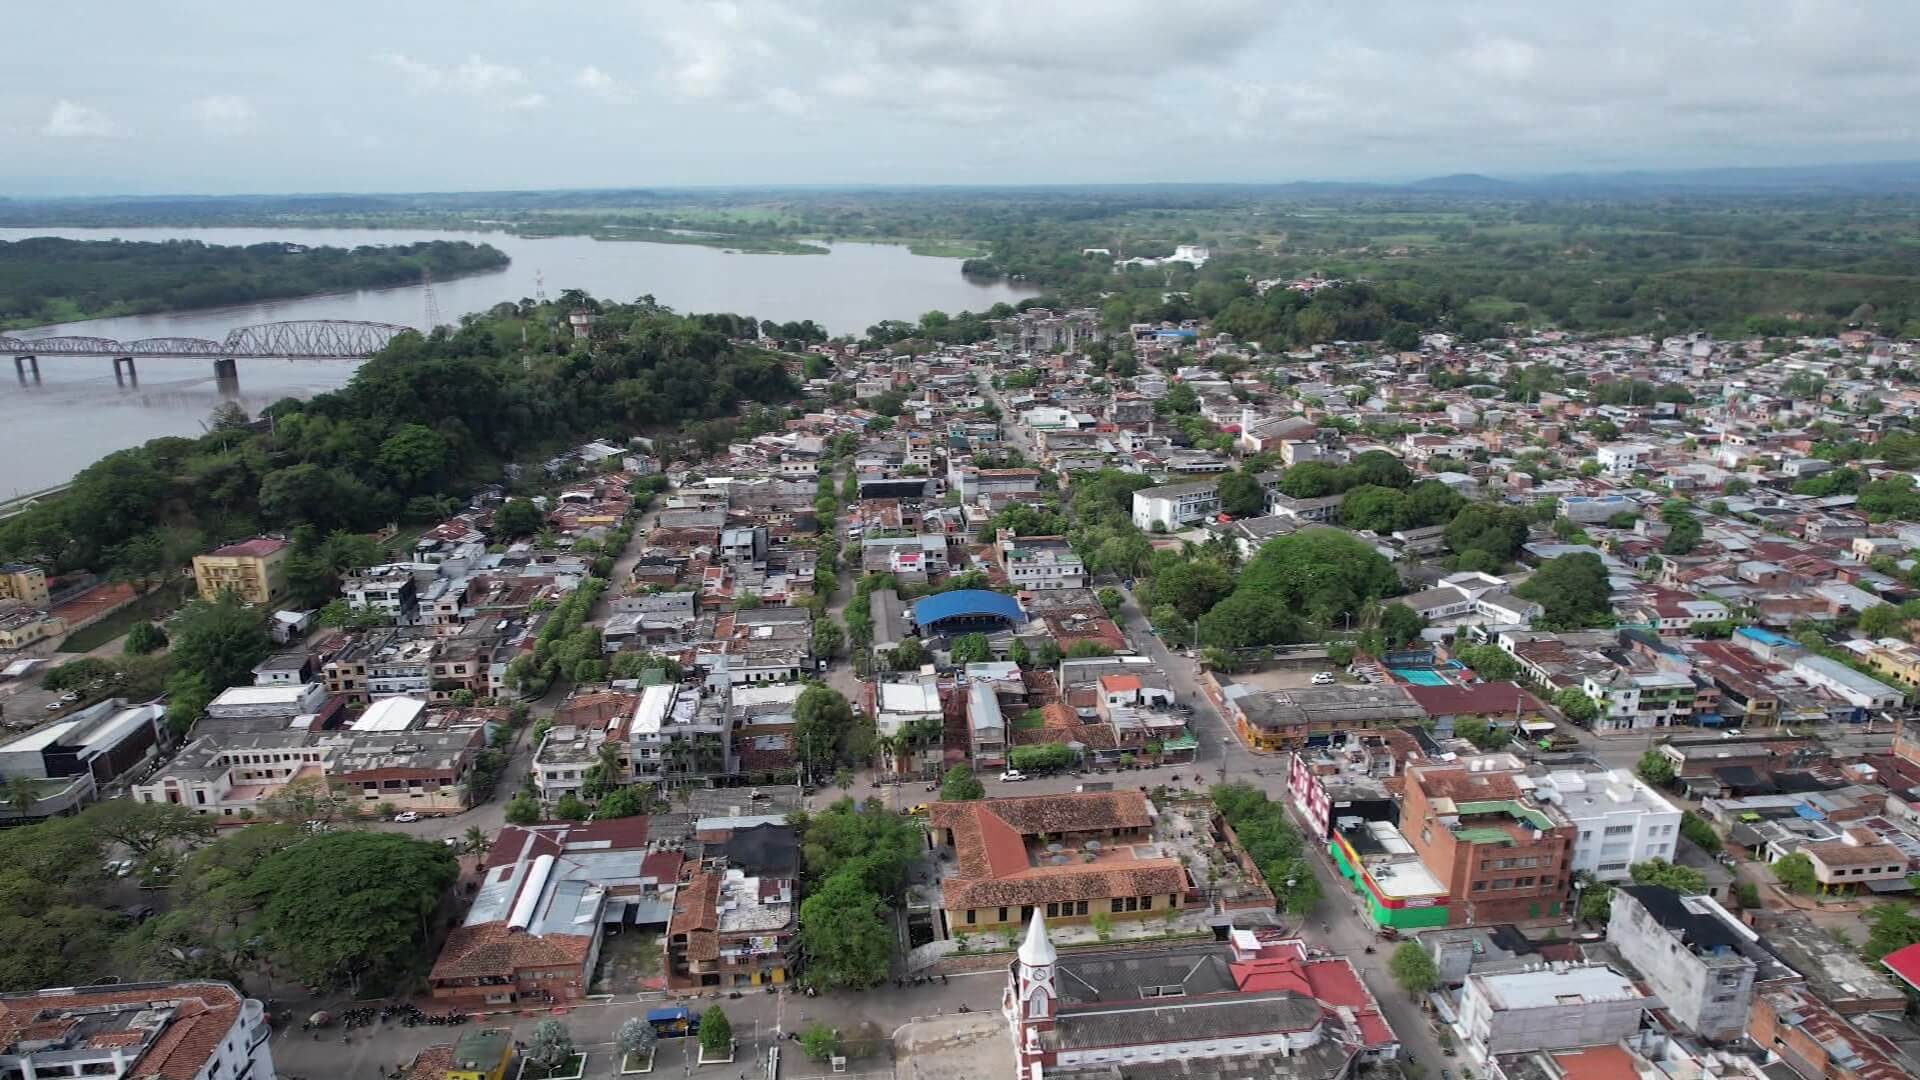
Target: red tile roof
{"points": [[257, 547], [494, 950], [203, 1014], [1479, 699]]}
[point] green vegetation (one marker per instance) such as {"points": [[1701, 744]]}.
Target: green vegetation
{"points": [[1272, 842], [1655, 768], [331, 909], [1413, 968], [48, 280], [427, 417], [854, 867], [1795, 871], [1573, 589], [960, 785]]}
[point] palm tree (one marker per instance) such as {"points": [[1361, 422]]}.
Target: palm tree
{"points": [[21, 794], [887, 748], [476, 839]]}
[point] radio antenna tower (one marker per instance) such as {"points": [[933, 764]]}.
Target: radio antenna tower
{"points": [[433, 301], [539, 287]]}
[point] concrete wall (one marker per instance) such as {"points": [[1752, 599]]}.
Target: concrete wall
{"points": [[1710, 996]]}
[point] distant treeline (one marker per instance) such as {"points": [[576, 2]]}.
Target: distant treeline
{"points": [[49, 280]]}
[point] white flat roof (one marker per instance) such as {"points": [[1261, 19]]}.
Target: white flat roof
{"points": [[38, 739], [651, 713], [261, 695], [1556, 986], [390, 714]]}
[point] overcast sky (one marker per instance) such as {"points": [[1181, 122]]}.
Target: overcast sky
{"points": [[107, 96]]}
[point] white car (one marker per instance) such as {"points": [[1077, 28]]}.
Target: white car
{"points": [[406, 817], [1323, 678], [1012, 775]]}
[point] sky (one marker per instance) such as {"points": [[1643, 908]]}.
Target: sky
{"points": [[190, 96]]}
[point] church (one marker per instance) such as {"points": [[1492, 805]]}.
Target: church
{"points": [[1257, 1006]]}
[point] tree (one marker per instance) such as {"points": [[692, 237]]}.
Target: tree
{"points": [[1324, 574], [1700, 832], [1369, 506], [1401, 625], [971, 649], [523, 809], [822, 719], [1111, 601], [635, 1037], [517, 517], [820, 1042], [1249, 619], [22, 792], [1596, 902], [1478, 732], [1041, 757], [1577, 706], [1490, 662], [1572, 588], [1681, 879], [960, 785], [1795, 871], [844, 933], [1890, 927], [828, 638], [550, 1045], [716, 1033], [621, 803], [569, 807], [1655, 768], [220, 640], [1413, 969], [1497, 531], [1241, 494], [909, 655], [343, 906], [144, 638], [1882, 620], [146, 829]]}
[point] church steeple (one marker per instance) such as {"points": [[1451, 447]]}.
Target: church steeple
{"points": [[1033, 975]]}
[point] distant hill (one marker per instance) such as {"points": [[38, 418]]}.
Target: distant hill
{"points": [[1464, 184]]}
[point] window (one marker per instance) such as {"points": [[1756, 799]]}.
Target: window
{"points": [[1080, 908], [1116, 904], [1523, 882], [1502, 883], [1003, 915], [969, 916], [1146, 903], [1480, 886]]}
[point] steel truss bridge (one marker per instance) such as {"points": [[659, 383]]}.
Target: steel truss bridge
{"points": [[325, 339]]}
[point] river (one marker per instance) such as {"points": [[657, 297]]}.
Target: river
{"points": [[77, 412]]}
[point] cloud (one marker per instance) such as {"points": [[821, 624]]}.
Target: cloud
{"points": [[69, 120], [591, 80], [475, 77], [224, 114]]}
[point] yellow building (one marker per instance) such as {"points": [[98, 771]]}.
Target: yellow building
{"points": [[26, 584], [256, 570], [1895, 659], [23, 626]]}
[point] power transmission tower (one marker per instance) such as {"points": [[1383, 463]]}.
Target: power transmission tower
{"points": [[539, 287], [433, 301]]}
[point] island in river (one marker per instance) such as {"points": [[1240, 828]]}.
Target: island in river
{"points": [[47, 279]]}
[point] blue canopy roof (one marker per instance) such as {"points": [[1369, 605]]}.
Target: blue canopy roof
{"points": [[966, 604]]}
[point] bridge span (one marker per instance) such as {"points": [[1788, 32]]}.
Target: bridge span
{"points": [[320, 339]]}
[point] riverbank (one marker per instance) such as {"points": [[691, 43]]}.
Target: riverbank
{"points": [[53, 280]]}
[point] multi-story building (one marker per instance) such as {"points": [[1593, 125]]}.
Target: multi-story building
{"points": [[1621, 459], [189, 1030], [986, 727], [1290, 719], [1503, 855], [1041, 562], [731, 928], [683, 734], [229, 776], [389, 590], [68, 761], [582, 725], [1552, 1007], [1170, 506], [255, 570], [24, 584], [1639, 700], [1619, 819], [1257, 1004], [1815, 1041], [1694, 955]]}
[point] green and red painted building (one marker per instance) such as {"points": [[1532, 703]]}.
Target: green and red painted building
{"points": [[1397, 888]]}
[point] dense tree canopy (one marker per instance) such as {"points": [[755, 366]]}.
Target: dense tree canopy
{"points": [[1573, 589]]}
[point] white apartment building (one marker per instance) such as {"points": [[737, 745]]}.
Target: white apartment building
{"points": [[1551, 1007], [1174, 505], [1619, 459], [1639, 701], [1042, 563], [1621, 820]]}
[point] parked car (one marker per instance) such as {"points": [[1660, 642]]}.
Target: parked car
{"points": [[1323, 678], [1012, 775], [917, 809], [406, 817]]}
